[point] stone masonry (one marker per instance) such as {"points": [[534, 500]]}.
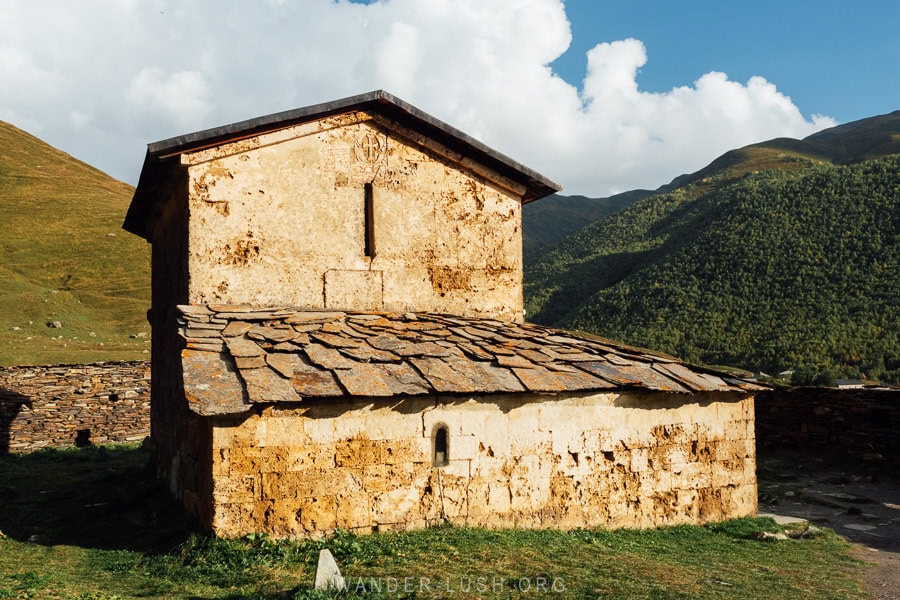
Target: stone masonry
{"points": [[61, 405], [579, 460]]}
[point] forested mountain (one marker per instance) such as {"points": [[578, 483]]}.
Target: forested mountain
{"points": [[548, 221], [65, 261], [769, 259]]}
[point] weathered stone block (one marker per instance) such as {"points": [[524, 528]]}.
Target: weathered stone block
{"points": [[252, 459], [282, 432], [237, 488], [223, 437], [383, 423], [675, 456], [358, 452], [232, 519], [358, 289], [404, 450], [319, 430], [639, 460], [317, 514], [463, 447], [310, 457], [353, 510], [396, 506], [457, 469], [383, 478], [310, 483]]}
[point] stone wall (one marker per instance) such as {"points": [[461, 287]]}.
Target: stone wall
{"points": [[352, 212], [530, 461], [169, 285], [63, 405], [858, 426]]}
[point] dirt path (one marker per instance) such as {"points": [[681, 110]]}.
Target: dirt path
{"points": [[883, 579], [856, 501]]}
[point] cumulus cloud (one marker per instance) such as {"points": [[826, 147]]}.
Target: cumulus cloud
{"points": [[182, 98], [642, 136], [101, 78]]}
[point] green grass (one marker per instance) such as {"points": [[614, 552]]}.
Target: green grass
{"points": [[64, 257], [92, 524]]}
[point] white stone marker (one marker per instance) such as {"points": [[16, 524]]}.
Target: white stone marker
{"points": [[328, 574]]}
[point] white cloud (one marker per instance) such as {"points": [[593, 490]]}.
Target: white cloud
{"points": [[21, 74], [101, 78], [79, 119], [643, 139], [182, 98]]}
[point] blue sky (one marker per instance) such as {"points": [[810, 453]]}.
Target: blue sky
{"points": [[833, 57], [600, 96]]}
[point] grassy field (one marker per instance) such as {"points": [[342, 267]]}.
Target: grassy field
{"points": [[91, 524], [65, 258]]}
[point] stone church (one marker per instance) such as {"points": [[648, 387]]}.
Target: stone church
{"points": [[339, 342]]}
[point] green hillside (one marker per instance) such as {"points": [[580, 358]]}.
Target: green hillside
{"points": [[771, 258], [64, 258], [548, 221]]}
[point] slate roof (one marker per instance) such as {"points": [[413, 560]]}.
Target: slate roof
{"points": [[161, 161], [237, 356]]}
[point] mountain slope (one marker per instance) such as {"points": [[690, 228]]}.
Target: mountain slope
{"points": [[844, 144], [549, 221], [64, 258], [769, 258], [860, 140], [546, 222]]}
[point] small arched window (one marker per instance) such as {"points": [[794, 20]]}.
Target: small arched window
{"points": [[441, 446]]}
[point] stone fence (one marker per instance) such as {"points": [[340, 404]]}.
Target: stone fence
{"points": [[861, 427], [65, 405]]}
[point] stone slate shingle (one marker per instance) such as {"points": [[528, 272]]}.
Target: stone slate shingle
{"points": [[281, 355]]}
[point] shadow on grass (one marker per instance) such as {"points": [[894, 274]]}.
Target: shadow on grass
{"points": [[93, 497], [107, 499]]}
